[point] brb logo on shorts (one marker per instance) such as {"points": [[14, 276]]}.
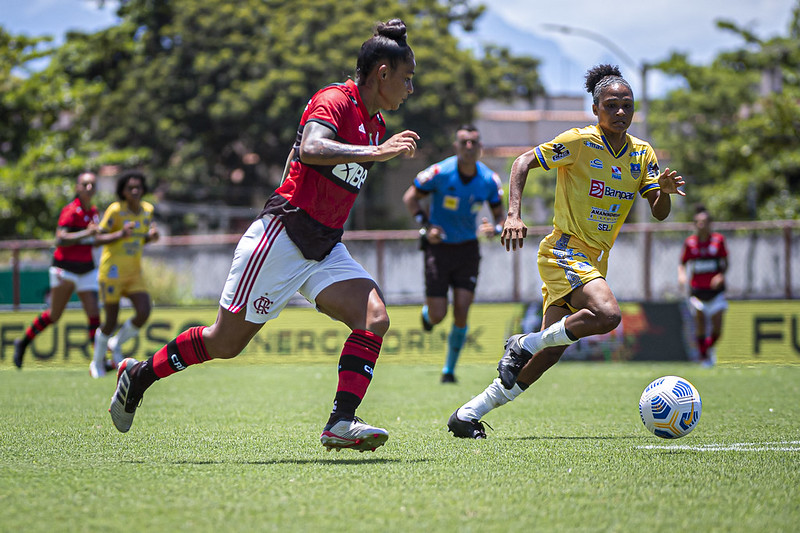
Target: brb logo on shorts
{"points": [[352, 174]]}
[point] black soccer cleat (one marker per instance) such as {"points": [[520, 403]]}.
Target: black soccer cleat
{"points": [[448, 378], [512, 361], [426, 325], [19, 352], [463, 429]]}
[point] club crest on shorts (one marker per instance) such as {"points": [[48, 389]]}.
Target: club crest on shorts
{"points": [[262, 304]]}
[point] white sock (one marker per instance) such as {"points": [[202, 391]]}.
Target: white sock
{"points": [[553, 335], [125, 333], [100, 346], [492, 396]]}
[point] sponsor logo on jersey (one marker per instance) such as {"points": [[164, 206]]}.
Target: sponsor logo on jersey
{"points": [[352, 174], [704, 266], [596, 146], [616, 173], [362, 129], [605, 216], [652, 170], [598, 189], [596, 163], [560, 152], [638, 153], [450, 203], [636, 170]]}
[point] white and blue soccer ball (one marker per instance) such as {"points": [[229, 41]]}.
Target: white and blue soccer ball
{"points": [[670, 407]]}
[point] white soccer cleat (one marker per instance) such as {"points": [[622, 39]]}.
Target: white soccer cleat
{"points": [[124, 401], [97, 370], [353, 434]]}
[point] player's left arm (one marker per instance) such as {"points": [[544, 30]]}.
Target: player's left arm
{"points": [[152, 234], [490, 230], [669, 182]]}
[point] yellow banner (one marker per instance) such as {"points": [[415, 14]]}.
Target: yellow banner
{"points": [[765, 331], [298, 335]]}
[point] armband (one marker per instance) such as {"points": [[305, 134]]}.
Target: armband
{"points": [[421, 218]]}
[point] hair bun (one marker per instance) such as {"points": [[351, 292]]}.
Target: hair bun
{"points": [[394, 29]]}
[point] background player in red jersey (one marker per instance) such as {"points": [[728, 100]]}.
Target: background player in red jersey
{"points": [[295, 245], [73, 267], [707, 257]]}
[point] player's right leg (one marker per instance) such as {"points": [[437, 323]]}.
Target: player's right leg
{"points": [[267, 269]]}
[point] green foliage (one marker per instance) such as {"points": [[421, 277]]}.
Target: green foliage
{"points": [[734, 131], [190, 89]]}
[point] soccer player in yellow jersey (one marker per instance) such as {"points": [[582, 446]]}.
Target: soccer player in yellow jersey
{"points": [[601, 168], [120, 272]]}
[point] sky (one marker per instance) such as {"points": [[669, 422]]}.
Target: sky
{"points": [[646, 31]]}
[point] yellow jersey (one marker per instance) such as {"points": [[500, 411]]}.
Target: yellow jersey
{"points": [[596, 186], [123, 257]]}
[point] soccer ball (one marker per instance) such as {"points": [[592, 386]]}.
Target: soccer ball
{"points": [[670, 407]]}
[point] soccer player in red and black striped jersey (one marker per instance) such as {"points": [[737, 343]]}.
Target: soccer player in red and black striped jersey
{"points": [[73, 267], [295, 245], [706, 255]]}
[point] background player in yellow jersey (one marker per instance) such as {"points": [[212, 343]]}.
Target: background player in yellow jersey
{"points": [[600, 170], [120, 272]]}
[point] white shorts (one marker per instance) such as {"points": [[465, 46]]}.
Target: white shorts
{"points": [[268, 269], [711, 307], [83, 282]]}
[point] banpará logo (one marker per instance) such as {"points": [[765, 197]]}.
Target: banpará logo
{"points": [[598, 189], [596, 163], [352, 174]]}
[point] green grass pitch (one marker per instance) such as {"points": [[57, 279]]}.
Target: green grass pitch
{"points": [[232, 447]]}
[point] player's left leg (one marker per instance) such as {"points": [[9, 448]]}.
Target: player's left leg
{"points": [[130, 328], [359, 304], [462, 300]]}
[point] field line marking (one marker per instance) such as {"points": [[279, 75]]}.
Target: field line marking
{"points": [[780, 446]]}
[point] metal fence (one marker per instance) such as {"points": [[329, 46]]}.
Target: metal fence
{"points": [[764, 262]]}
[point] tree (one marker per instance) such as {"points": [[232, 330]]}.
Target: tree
{"points": [[734, 131], [207, 96]]}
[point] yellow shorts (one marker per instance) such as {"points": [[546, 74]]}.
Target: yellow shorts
{"points": [[114, 285], [566, 263]]}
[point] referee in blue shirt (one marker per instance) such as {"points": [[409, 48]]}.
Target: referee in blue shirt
{"points": [[455, 189]]}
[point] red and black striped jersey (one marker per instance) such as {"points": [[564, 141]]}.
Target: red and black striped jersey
{"points": [[706, 259], [315, 200], [76, 258]]}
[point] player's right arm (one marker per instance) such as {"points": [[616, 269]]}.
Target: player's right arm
{"points": [[107, 233], [514, 230], [319, 147]]}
